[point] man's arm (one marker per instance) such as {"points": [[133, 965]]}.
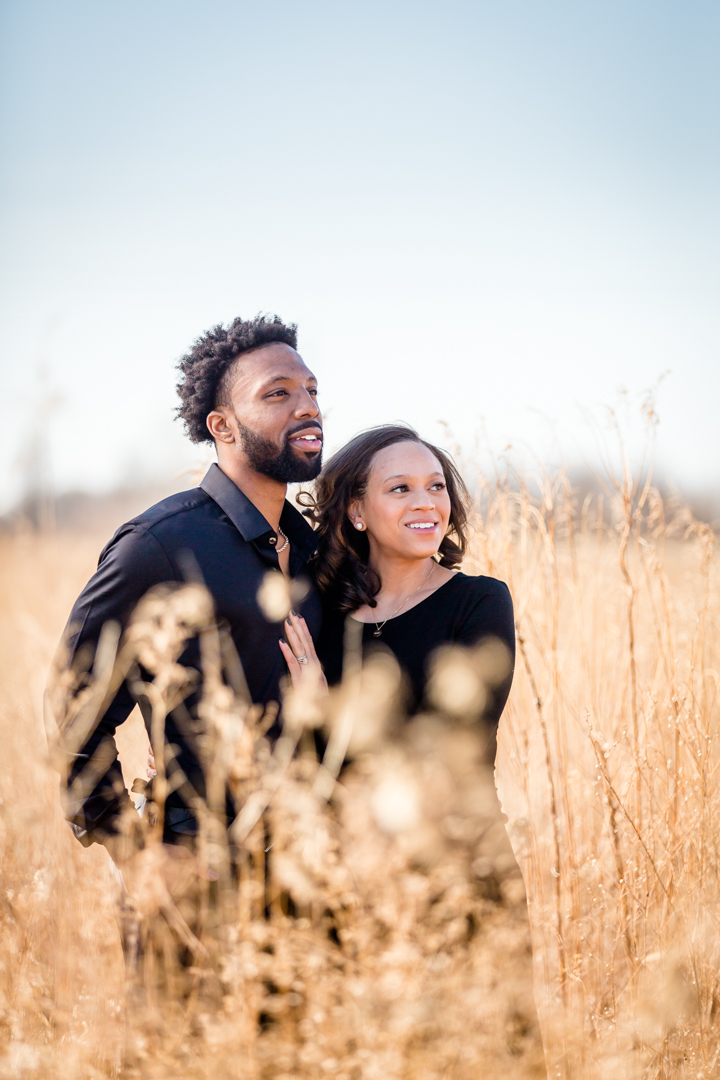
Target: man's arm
{"points": [[131, 563]]}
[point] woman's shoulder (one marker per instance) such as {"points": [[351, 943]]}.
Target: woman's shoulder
{"points": [[477, 586], [482, 607], [330, 608]]}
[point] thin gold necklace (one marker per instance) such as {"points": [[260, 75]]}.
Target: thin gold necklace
{"points": [[379, 626]]}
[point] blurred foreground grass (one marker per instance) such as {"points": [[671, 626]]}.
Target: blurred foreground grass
{"points": [[391, 947]]}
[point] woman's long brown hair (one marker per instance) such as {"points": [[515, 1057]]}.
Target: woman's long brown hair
{"points": [[340, 565]]}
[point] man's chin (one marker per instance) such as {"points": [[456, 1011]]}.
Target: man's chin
{"points": [[307, 466]]}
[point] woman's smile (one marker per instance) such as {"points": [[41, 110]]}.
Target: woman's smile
{"points": [[425, 526]]}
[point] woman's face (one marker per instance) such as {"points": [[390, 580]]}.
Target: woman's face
{"points": [[406, 507]]}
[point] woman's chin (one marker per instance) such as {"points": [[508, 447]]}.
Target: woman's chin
{"points": [[420, 550]]}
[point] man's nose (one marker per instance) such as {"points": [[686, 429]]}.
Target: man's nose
{"points": [[307, 406]]}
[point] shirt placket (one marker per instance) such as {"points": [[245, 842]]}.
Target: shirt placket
{"points": [[267, 550]]}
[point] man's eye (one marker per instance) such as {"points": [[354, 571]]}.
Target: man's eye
{"points": [[313, 390], [278, 393]]}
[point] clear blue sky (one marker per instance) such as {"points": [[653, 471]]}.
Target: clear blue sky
{"points": [[487, 213]]}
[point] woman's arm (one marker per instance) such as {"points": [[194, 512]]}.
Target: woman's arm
{"points": [[490, 616]]}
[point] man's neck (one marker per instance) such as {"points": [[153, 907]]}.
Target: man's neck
{"points": [[266, 494]]}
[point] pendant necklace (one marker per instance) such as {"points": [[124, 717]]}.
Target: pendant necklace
{"points": [[379, 626]]}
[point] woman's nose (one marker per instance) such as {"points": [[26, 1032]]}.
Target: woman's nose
{"points": [[422, 501]]}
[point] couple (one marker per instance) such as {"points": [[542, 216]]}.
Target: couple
{"points": [[390, 514]]}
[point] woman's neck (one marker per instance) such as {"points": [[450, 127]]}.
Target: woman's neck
{"points": [[397, 576], [404, 583]]}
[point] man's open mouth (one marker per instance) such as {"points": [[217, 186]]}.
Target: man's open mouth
{"points": [[307, 439]]}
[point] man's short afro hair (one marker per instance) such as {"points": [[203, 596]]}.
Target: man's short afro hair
{"points": [[210, 358]]}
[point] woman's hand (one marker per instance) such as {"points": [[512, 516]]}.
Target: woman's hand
{"points": [[299, 651]]}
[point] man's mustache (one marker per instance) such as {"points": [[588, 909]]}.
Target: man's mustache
{"points": [[305, 427]]}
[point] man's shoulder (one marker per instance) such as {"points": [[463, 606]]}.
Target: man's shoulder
{"points": [[147, 533], [164, 512]]}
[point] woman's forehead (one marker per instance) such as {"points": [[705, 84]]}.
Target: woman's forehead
{"points": [[404, 458]]}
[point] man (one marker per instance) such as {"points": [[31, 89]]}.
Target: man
{"points": [[246, 389]]}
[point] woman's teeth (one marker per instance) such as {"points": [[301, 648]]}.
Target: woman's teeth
{"points": [[422, 525]]}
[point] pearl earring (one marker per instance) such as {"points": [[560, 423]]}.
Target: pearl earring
{"points": [[359, 525]]}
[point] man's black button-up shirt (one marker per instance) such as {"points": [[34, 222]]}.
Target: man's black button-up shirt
{"points": [[217, 531]]}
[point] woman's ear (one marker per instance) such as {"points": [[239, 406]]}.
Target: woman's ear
{"points": [[354, 513]]}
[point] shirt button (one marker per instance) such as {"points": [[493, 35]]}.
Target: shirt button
{"points": [[272, 540]]}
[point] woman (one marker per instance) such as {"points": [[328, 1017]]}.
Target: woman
{"points": [[391, 514]]}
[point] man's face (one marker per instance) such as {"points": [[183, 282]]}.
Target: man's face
{"points": [[274, 414]]}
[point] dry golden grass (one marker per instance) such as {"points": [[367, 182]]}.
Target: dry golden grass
{"points": [[606, 770]]}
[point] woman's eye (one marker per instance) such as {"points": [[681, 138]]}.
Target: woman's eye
{"points": [[399, 487], [278, 393], [440, 486], [313, 390]]}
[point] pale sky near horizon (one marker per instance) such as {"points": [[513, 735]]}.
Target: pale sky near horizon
{"points": [[488, 214]]}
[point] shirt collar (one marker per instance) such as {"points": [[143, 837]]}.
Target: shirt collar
{"points": [[246, 517]]}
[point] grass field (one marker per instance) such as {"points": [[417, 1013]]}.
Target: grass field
{"points": [[606, 770]]}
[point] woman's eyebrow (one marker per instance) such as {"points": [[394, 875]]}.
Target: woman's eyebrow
{"points": [[404, 476]]}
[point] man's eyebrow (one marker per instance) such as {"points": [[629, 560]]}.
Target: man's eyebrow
{"points": [[285, 378]]}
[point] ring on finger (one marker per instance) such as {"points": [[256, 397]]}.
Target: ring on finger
{"points": [[302, 659]]}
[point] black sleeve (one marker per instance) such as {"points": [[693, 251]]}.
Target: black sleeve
{"points": [[491, 615], [131, 563]]}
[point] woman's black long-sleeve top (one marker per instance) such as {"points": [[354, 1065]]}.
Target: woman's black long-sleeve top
{"points": [[463, 611]]}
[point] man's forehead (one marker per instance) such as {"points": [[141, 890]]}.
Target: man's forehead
{"points": [[275, 362]]}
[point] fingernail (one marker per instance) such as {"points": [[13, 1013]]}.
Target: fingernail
{"points": [[296, 614]]}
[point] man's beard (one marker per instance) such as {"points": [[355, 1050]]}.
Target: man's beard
{"points": [[286, 466]]}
